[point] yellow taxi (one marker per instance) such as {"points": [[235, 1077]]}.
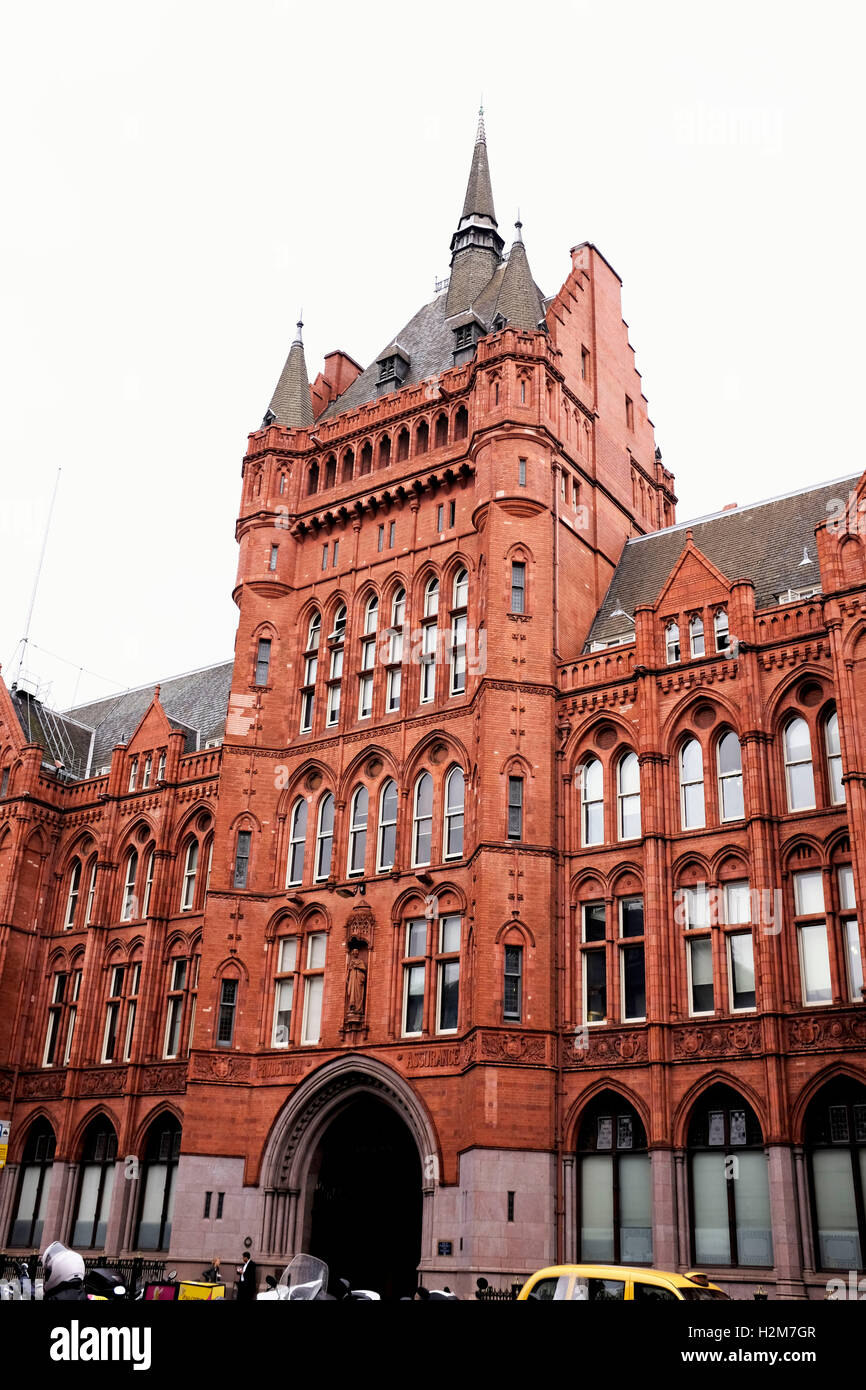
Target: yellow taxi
{"points": [[611, 1283]]}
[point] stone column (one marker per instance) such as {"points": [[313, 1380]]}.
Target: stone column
{"points": [[785, 1222], [805, 1211], [568, 1192], [682, 1209], [117, 1212], [664, 1208]]}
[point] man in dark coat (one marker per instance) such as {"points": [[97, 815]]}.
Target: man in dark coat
{"points": [[248, 1277]]}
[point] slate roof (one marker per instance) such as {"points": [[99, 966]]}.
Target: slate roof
{"points": [[479, 193], [64, 739], [763, 542]]}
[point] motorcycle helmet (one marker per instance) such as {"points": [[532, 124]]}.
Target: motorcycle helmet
{"points": [[60, 1266]]}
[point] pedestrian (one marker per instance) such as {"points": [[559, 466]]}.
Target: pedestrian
{"points": [[212, 1275], [247, 1278]]}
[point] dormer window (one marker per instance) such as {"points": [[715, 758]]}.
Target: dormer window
{"points": [[393, 367]]}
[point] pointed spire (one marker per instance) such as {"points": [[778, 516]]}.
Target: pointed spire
{"points": [[476, 246], [291, 404], [479, 194], [519, 301]]}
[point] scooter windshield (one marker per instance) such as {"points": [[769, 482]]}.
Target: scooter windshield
{"points": [[304, 1277]]}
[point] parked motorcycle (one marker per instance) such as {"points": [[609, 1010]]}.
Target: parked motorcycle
{"points": [[306, 1278], [65, 1279]]}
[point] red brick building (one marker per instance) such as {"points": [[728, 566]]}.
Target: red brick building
{"points": [[497, 903]]}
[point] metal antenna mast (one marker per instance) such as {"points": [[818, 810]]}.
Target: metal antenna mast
{"points": [[26, 637]]}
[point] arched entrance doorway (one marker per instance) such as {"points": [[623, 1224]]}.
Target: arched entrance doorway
{"points": [[364, 1188]]}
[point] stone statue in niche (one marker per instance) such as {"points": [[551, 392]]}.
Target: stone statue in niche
{"points": [[356, 984]]}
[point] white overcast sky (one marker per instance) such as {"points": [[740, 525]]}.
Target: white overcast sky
{"points": [[178, 178]]}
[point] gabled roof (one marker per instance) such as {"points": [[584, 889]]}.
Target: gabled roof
{"points": [[764, 542], [195, 702]]}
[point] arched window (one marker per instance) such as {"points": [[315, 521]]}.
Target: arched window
{"points": [[441, 432], [368, 658], [592, 802], [95, 1185], [339, 632], [431, 597], [628, 797], [324, 837], [330, 470], [395, 650], [834, 760], [799, 778], [34, 1181], [614, 1185], [371, 614], [672, 643], [129, 906], [385, 451], [312, 478], [157, 1184], [422, 438], [190, 869], [72, 894], [297, 840], [148, 883], [314, 632], [461, 423], [836, 1145], [387, 847], [455, 791], [720, 627], [461, 589], [402, 446], [696, 635], [730, 763], [692, 811], [358, 831], [366, 458], [422, 820], [91, 894], [429, 640], [348, 468], [729, 1182]]}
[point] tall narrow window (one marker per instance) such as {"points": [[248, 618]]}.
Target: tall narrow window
{"points": [[721, 629], [324, 837], [592, 802], [160, 768], [72, 1015], [513, 993], [263, 661], [730, 777], [314, 988], [672, 643], [594, 963], [455, 792], [632, 977], [812, 936], [521, 472], [308, 689], [387, 847], [628, 797], [91, 894], [395, 650], [297, 841], [133, 774], [429, 641], [414, 973], [834, 760], [518, 586], [334, 686], [112, 1015], [130, 904], [515, 808], [72, 894], [458, 633], [731, 1201], [55, 1018], [422, 820], [461, 588], [696, 635], [190, 869], [134, 977], [174, 1011], [358, 831], [850, 931], [148, 768], [284, 991], [272, 561], [448, 967], [798, 766], [226, 1015], [691, 761], [242, 858], [368, 659]]}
